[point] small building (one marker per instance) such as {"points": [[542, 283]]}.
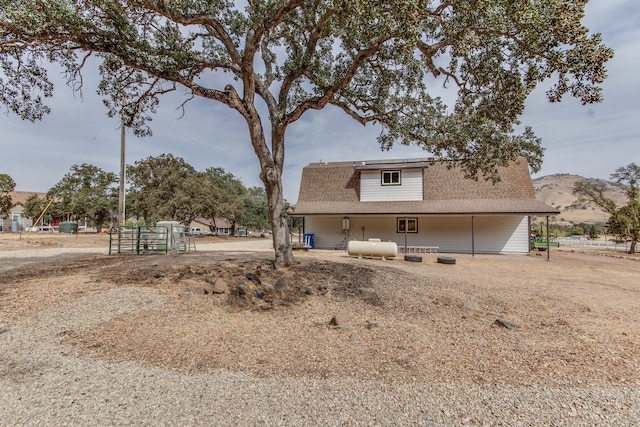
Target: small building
{"points": [[418, 203], [16, 221], [219, 226]]}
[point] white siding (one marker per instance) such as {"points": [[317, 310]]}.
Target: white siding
{"points": [[493, 234], [327, 231], [372, 190], [502, 234]]}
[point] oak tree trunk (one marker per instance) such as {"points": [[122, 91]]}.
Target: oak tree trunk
{"points": [[279, 227], [271, 166]]}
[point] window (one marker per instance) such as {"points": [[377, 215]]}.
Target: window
{"points": [[408, 224], [390, 177]]}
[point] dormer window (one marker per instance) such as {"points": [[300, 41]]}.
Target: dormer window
{"points": [[390, 178]]}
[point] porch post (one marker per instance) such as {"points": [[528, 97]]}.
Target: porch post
{"points": [[548, 242], [345, 226], [473, 235], [406, 225]]}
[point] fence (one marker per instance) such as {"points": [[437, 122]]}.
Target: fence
{"points": [[575, 243], [136, 240]]}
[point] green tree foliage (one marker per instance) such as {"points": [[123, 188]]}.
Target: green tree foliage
{"points": [[86, 191], [231, 206], [246, 207], [256, 208], [577, 230], [34, 206], [168, 188], [377, 60], [7, 185], [624, 221]]}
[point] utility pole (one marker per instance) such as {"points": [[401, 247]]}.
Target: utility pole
{"points": [[121, 209]]}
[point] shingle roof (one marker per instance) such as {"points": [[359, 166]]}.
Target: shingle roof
{"points": [[333, 188], [20, 197]]}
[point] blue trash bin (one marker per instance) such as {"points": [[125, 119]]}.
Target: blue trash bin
{"points": [[307, 240]]}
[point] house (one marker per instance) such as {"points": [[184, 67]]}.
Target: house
{"points": [[16, 221], [418, 202], [219, 226]]}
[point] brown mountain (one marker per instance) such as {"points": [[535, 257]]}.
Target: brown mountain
{"points": [[557, 191]]}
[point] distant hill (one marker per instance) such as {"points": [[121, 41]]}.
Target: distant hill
{"points": [[557, 191]]}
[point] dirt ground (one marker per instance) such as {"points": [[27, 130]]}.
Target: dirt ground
{"points": [[573, 320]]}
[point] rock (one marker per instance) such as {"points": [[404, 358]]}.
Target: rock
{"points": [[219, 286], [260, 293], [208, 288], [255, 279], [506, 324], [281, 286], [186, 296], [268, 288], [308, 291], [340, 319], [242, 288]]}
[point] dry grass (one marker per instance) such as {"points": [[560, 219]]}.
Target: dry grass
{"points": [[578, 316]]}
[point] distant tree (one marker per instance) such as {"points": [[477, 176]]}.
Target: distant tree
{"points": [[86, 191], [256, 208], [624, 221], [231, 206], [374, 60], [248, 207], [7, 185], [168, 188], [577, 230], [226, 181], [33, 207]]}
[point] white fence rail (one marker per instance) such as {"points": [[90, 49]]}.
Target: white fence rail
{"points": [[624, 247]]}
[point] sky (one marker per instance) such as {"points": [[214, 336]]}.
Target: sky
{"points": [[591, 140]]}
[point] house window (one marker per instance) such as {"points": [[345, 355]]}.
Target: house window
{"points": [[390, 177], [408, 224]]}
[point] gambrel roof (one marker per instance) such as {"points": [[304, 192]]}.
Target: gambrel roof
{"points": [[334, 189]]}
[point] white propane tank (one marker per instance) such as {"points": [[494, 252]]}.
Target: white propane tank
{"points": [[372, 248]]}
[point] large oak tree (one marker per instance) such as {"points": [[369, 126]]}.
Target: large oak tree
{"points": [[375, 59]]}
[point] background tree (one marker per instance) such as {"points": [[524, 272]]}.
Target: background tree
{"points": [[624, 221], [374, 60], [7, 185], [256, 208], [34, 206], [86, 191], [232, 207], [168, 188]]}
